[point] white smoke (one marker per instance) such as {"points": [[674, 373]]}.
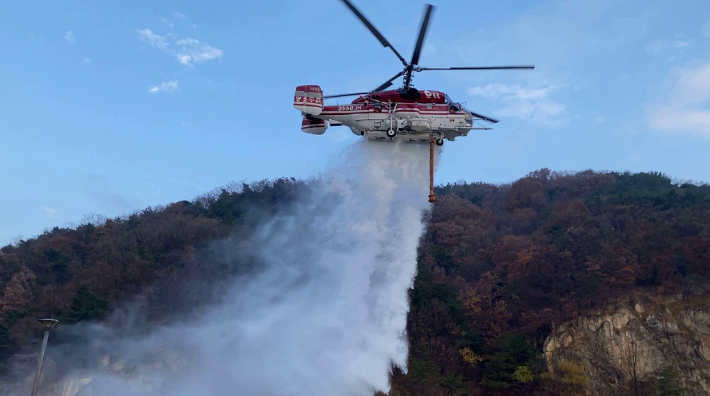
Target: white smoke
{"points": [[327, 313]]}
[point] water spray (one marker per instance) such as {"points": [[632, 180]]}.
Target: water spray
{"points": [[325, 312]]}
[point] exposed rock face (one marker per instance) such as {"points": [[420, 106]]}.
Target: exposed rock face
{"points": [[623, 350]]}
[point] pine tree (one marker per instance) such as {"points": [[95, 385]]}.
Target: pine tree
{"points": [[668, 383], [86, 305]]}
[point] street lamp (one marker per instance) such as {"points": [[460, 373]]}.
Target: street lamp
{"points": [[48, 325]]}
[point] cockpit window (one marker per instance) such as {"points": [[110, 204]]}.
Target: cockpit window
{"points": [[447, 99]]}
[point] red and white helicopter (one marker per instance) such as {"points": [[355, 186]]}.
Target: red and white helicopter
{"points": [[405, 114]]}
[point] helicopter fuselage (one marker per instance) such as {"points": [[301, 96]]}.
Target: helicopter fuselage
{"points": [[409, 121], [414, 116]]}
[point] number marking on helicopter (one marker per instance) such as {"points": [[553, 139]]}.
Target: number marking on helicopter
{"points": [[349, 108]]}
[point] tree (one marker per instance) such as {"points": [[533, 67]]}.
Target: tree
{"points": [[572, 374], [454, 385], [18, 292], [527, 193], [508, 363], [86, 305], [523, 375], [668, 383], [4, 337]]}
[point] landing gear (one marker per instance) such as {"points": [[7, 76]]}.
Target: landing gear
{"points": [[440, 142], [391, 133]]}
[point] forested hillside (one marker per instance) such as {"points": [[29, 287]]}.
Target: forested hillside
{"points": [[499, 267]]}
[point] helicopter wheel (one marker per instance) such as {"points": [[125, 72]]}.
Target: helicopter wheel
{"points": [[391, 133], [439, 142]]}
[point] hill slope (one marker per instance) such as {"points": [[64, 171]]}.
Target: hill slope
{"points": [[499, 268]]}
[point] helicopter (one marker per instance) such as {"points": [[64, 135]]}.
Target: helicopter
{"points": [[406, 114]]}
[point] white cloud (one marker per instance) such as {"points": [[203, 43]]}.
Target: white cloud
{"points": [[193, 51], [690, 84], [167, 87], [680, 120], [674, 46], [167, 22], [685, 109], [154, 40], [516, 92], [69, 37], [50, 212], [599, 119], [657, 46], [528, 104], [176, 17], [189, 52]]}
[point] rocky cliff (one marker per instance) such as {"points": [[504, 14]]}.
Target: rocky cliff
{"points": [[641, 346]]}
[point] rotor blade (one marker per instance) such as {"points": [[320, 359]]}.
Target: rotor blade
{"points": [[378, 89], [422, 34], [475, 68], [374, 30], [342, 95], [484, 118], [388, 82]]}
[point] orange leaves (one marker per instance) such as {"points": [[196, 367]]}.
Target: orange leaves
{"points": [[455, 218], [522, 221], [570, 215], [624, 277], [458, 230], [18, 292], [469, 356], [524, 257], [62, 243], [526, 193], [484, 306]]}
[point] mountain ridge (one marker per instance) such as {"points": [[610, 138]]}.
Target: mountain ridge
{"points": [[500, 266]]}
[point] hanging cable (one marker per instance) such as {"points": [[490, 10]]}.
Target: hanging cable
{"points": [[432, 198]]}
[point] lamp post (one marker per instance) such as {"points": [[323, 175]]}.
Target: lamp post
{"points": [[48, 325]]}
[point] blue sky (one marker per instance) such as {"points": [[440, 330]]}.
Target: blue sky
{"points": [[110, 107]]}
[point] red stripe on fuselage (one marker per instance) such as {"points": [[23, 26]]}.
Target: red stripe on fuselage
{"points": [[337, 113]]}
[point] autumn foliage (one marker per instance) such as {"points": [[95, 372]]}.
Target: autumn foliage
{"points": [[499, 266]]}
